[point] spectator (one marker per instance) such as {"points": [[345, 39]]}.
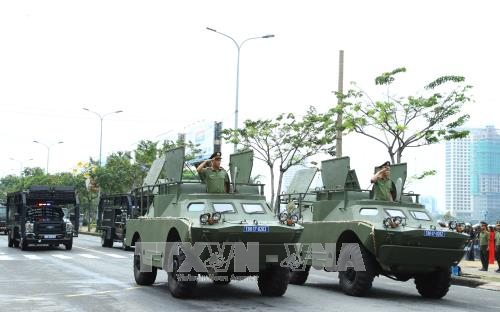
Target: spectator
{"points": [[484, 240]]}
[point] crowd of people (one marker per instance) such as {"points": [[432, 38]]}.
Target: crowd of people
{"points": [[481, 236]]}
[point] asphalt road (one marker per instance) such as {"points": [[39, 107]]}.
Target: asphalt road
{"points": [[92, 278]]}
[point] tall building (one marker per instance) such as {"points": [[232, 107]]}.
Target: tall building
{"points": [[473, 175], [430, 203]]}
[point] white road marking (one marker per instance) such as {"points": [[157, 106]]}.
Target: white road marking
{"points": [[33, 257], [116, 256], [89, 256], [61, 257], [2, 257]]}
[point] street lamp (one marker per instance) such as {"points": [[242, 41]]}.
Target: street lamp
{"points": [[101, 117], [238, 46], [48, 152]]}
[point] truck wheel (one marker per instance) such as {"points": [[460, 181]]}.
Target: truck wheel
{"points": [[433, 285], [15, 242], [273, 281], [299, 277], [69, 245], [10, 243], [357, 283], [181, 285], [148, 274], [24, 244], [104, 241]]}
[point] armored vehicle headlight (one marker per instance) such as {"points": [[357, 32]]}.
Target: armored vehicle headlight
{"points": [[204, 218], [283, 217], [294, 218], [398, 220], [387, 222], [216, 216], [29, 227], [452, 225], [69, 227]]}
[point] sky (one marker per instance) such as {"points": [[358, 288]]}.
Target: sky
{"points": [[157, 62]]}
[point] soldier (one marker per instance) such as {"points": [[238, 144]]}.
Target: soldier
{"points": [[215, 176], [484, 240], [383, 187], [497, 246]]}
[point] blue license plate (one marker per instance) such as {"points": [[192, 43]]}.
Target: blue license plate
{"points": [[260, 229], [429, 233]]}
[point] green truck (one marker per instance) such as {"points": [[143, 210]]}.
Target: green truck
{"points": [[43, 215], [180, 213], [398, 239]]}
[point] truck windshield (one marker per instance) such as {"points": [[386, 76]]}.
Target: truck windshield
{"points": [[44, 214]]}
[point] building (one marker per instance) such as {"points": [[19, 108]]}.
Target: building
{"points": [[430, 204], [473, 176]]}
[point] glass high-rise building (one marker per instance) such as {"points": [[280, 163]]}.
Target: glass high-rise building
{"points": [[473, 175]]}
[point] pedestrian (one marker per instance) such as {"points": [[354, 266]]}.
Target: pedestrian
{"points": [[214, 175], [383, 187], [497, 246], [470, 231], [484, 240]]}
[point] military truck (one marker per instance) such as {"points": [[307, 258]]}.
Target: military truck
{"points": [[399, 239], [37, 216], [3, 219], [181, 211], [114, 211]]}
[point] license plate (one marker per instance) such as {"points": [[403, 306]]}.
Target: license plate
{"points": [[256, 228], [49, 236], [429, 233]]}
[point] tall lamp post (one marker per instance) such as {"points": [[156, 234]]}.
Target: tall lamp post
{"points": [[101, 117], [238, 47], [48, 152]]}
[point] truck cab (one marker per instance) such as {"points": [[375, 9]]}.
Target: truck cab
{"points": [[43, 215], [114, 211]]}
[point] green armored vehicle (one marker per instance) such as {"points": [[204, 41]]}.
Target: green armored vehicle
{"points": [[114, 211], [234, 235], [398, 239], [43, 215]]}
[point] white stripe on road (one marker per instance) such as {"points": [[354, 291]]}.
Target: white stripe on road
{"points": [[61, 257], [89, 256], [33, 257], [116, 256], [2, 257]]}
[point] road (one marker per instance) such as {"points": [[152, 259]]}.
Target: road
{"points": [[92, 278]]}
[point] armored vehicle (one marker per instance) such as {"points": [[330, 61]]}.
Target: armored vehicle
{"points": [[181, 212], [3, 219], [114, 211], [43, 215], [398, 239]]}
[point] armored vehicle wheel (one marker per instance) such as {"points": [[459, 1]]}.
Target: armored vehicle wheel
{"points": [[434, 285], [10, 243], [15, 242], [106, 242], [148, 276], [357, 283], [24, 244], [273, 281], [299, 277], [180, 288]]}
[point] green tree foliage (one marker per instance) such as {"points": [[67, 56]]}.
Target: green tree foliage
{"points": [[285, 141], [412, 121]]}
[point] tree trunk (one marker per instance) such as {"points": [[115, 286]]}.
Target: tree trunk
{"points": [[272, 185], [278, 191]]}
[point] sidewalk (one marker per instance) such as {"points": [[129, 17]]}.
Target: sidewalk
{"points": [[472, 277], [83, 230]]}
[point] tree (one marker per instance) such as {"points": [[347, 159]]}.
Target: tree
{"points": [[413, 121], [285, 141]]}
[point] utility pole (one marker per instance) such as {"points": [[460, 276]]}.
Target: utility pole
{"points": [[340, 115]]}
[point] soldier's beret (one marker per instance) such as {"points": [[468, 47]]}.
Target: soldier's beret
{"points": [[387, 163], [216, 155]]}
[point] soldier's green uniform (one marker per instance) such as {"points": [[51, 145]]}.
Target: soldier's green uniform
{"points": [[215, 179], [382, 189], [484, 240]]}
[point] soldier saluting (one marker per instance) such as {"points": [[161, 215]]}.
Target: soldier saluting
{"points": [[383, 187], [214, 175]]}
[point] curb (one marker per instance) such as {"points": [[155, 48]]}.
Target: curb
{"points": [[90, 233], [467, 281]]}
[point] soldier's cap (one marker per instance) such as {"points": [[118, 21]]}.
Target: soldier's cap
{"points": [[483, 223], [216, 155], [387, 163], [498, 222]]}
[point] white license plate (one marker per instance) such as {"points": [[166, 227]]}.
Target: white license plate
{"points": [[49, 236]]}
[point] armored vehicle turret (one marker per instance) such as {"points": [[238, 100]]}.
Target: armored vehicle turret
{"points": [[43, 215], [193, 234], [343, 224]]}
